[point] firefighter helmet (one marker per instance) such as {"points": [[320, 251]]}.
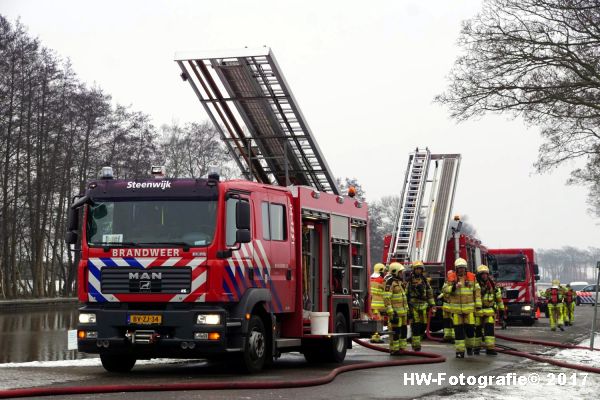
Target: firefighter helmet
{"points": [[379, 267], [483, 269], [418, 264], [396, 267], [555, 283], [460, 263]]}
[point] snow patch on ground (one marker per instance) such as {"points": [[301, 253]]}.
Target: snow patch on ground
{"points": [[554, 382], [85, 362]]}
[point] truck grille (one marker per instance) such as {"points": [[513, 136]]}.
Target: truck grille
{"points": [[116, 280]]}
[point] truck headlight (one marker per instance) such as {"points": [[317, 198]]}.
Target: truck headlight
{"points": [[87, 318], [208, 319], [526, 308]]}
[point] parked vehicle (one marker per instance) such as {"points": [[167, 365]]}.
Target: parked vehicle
{"points": [[587, 295], [516, 272]]}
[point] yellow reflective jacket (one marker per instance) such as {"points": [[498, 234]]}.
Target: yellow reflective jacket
{"points": [[377, 286], [464, 299], [395, 297]]}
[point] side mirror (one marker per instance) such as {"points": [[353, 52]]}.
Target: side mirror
{"points": [[72, 219], [242, 236], [71, 237], [242, 216], [537, 277], [536, 269]]}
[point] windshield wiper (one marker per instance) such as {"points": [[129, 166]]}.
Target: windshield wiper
{"points": [[186, 246], [108, 245]]}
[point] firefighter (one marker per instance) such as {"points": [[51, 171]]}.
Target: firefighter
{"points": [[377, 304], [555, 300], [569, 305], [464, 299], [397, 308], [420, 299], [491, 300], [446, 316]]}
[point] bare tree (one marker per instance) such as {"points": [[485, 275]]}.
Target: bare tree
{"points": [[538, 60], [55, 134], [190, 150], [382, 215]]}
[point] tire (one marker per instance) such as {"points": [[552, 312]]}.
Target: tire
{"points": [[338, 346], [255, 351], [328, 350], [117, 363]]}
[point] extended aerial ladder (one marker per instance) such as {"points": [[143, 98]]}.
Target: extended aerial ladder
{"points": [[425, 207], [252, 106]]}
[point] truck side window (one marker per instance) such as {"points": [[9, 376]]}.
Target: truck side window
{"points": [[273, 221], [265, 220], [277, 219], [230, 228]]}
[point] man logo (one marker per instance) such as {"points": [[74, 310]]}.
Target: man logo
{"points": [[144, 285], [145, 275]]}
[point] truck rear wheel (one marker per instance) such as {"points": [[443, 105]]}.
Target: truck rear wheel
{"points": [[339, 345], [328, 350], [255, 346], [117, 363]]}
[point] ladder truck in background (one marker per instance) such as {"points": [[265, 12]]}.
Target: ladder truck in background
{"points": [[424, 228], [249, 269]]}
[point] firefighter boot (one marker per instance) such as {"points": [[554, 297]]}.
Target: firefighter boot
{"points": [[376, 338], [477, 351], [460, 354], [469, 351], [491, 352]]}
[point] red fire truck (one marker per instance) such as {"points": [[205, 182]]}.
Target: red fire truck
{"points": [[194, 268], [516, 272]]}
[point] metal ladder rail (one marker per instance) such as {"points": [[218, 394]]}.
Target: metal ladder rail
{"points": [[285, 117], [410, 204], [441, 214]]}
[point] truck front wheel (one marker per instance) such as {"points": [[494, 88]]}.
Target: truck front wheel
{"points": [[117, 363], [255, 346]]}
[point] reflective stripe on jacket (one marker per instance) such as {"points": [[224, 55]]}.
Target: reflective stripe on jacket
{"points": [[465, 299], [419, 292], [377, 286], [395, 297]]}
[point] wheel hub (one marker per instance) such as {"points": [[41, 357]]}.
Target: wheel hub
{"points": [[257, 344]]}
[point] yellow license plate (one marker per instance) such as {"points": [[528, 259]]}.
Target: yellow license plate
{"points": [[145, 319]]}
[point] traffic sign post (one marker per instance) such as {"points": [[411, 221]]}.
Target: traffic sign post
{"points": [[595, 306]]}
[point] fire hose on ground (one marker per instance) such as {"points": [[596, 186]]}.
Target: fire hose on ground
{"points": [[427, 358], [518, 353]]}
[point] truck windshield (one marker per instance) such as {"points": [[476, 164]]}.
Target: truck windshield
{"points": [[510, 270], [161, 222]]}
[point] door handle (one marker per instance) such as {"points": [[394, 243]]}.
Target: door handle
{"points": [[288, 274]]}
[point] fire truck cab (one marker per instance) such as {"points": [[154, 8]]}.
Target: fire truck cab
{"points": [[516, 272]]}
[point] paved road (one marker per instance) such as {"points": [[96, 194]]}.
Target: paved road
{"points": [[368, 384]]}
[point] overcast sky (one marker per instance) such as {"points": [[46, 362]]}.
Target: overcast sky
{"points": [[364, 77]]}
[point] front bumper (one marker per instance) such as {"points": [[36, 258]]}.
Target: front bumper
{"points": [[515, 311], [174, 337]]}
